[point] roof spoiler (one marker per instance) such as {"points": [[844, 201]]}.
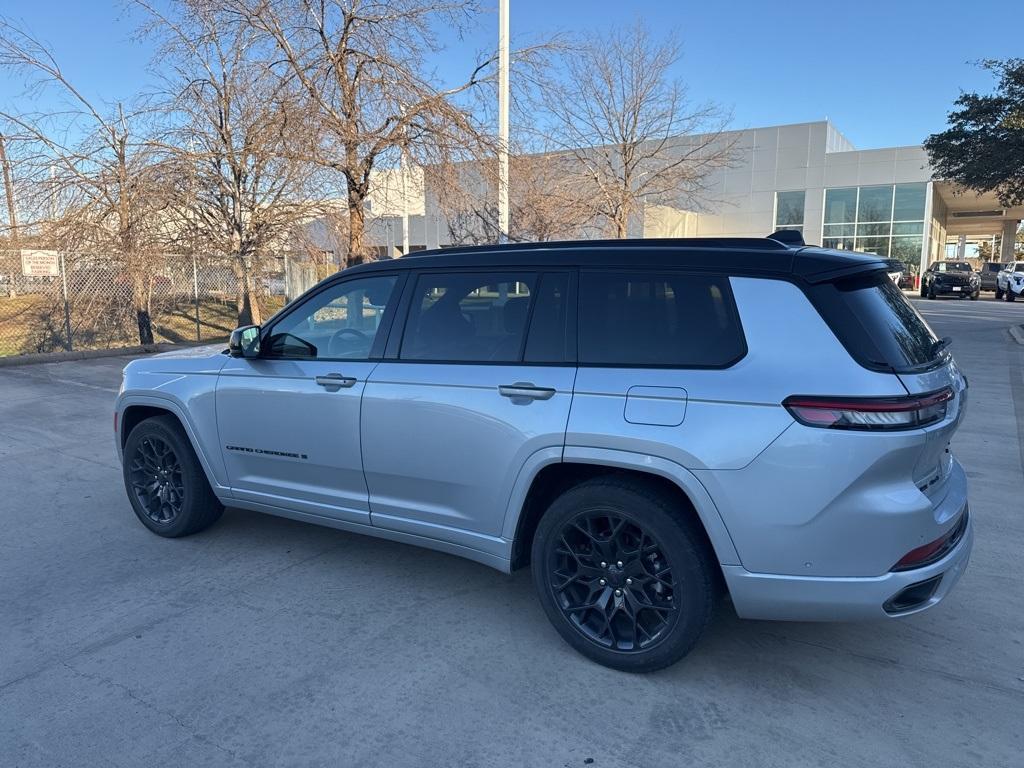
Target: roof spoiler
{"points": [[790, 237]]}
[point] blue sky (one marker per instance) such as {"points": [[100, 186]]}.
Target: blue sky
{"points": [[885, 72]]}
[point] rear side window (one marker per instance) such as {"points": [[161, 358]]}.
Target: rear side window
{"points": [[468, 317], [658, 319], [877, 324], [549, 340]]}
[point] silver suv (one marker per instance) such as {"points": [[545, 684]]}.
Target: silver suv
{"points": [[645, 424]]}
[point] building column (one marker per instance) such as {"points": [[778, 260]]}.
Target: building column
{"points": [[961, 247], [1009, 238]]}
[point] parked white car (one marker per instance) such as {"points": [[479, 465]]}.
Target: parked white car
{"points": [[1010, 281]]}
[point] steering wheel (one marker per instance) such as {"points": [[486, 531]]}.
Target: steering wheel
{"points": [[359, 335]]}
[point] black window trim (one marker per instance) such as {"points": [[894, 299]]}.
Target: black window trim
{"points": [[733, 309], [383, 331], [400, 323]]}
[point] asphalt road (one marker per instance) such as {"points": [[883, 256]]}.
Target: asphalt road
{"points": [[269, 642]]}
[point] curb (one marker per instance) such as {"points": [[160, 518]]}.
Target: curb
{"points": [[1017, 332], [90, 354]]}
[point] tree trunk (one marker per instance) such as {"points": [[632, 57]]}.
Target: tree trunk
{"points": [[248, 298], [140, 304], [356, 227]]}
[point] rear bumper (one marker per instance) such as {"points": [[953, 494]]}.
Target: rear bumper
{"points": [[813, 598]]}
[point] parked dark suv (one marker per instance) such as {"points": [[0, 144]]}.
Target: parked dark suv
{"points": [[951, 278], [988, 274]]}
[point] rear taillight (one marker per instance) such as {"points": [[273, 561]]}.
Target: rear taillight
{"points": [[870, 413]]}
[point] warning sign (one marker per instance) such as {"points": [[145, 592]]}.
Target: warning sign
{"points": [[40, 263]]}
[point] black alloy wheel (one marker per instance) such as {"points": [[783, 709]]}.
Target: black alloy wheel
{"points": [[166, 484], [625, 572], [156, 479], [613, 582]]}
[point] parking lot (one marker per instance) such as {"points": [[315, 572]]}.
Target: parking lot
{"points": [[265, 641]]}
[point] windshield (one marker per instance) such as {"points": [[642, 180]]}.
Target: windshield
{"points": [[952, 266]]}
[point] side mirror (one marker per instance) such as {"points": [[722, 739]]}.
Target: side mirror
{"points": [[245, 341]]}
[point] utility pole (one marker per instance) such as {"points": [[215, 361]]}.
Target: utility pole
{"points": [[405, 202], [503, 121], [12, 209]]}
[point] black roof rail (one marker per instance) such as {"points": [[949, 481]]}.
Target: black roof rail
{"points": [[789, 237], [750, 243]]}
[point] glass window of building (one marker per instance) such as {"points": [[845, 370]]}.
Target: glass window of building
{"points": [[841, 205], [789, 210], [875, 203], [887, 220]]}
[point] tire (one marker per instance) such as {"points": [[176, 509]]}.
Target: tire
{"points": [[923, 293], [675, 605], [999, 294], [179, 501], [1008, 294], [976, 295], [931, 293]]}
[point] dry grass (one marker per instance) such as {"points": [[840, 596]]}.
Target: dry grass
{"points": [[22, 319]]}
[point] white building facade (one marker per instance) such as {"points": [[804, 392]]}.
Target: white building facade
{"points": [[804, 176]]}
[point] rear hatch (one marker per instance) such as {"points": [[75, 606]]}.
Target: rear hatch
{"points": [[884, 332]]}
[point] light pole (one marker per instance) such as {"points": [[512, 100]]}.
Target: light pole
{"points": [[503, 121]]}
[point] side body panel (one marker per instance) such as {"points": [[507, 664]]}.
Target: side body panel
{"points": [[289, 441], [442, 448], [185, 384], [731, 415]]}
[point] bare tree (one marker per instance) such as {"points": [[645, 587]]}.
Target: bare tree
{"points": [[240, 194], [361, 66], [102, 168], [546, 200], [620, 113]]}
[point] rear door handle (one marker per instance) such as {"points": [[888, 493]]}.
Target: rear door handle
{"points": [[335, 381], [525, 390]]}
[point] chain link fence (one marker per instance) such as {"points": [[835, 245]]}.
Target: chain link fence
{"points": [[52, 301]]}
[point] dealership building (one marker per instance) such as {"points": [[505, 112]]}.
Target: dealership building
{"points": [[805, 176]]}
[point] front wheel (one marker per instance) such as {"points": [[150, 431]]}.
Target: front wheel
{"points": [[623, 573], [1009, 294], [166, 485], [999, 294], [976, 295]]}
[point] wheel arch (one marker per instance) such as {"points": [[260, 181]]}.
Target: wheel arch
{"points": [[579, 464], [132, 411]]}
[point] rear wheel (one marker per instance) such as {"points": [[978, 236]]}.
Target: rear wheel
{"points": [[166, 485], [624, 575]]}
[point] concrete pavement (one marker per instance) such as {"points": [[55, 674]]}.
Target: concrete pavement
{"points": [[270, 642]]}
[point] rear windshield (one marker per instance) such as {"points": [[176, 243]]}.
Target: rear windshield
{"points": [[877, 324]]}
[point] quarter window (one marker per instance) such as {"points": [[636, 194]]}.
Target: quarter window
{"points": [[468, 317], [340, 322], [671, 320]]}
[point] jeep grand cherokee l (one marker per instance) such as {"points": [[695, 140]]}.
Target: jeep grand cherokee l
{"points": [[642, 423]]}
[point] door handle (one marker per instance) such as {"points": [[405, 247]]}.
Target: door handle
{"points": [[525, 390], [335, 381]]}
